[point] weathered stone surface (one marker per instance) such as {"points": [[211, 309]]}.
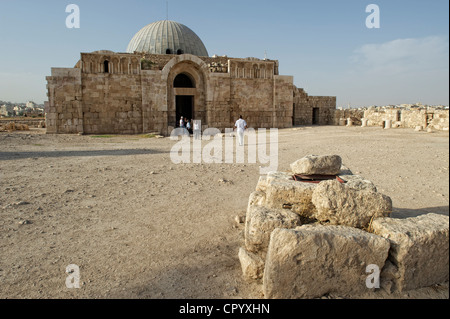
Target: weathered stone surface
{"points": [[317, 165], [358, 182], [417, 119], [389, 277], [256, 198], [261, 221], [311, 261], [340, 204], [304, 115], [419, 249], [282, 191], [287, 176], [271, 176], [252, 265], [262, 184]]}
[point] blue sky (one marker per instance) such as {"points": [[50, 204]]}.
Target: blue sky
{"points": [[324, 44]]}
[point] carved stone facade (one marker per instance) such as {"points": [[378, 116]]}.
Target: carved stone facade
{"points": [[135, 93]]}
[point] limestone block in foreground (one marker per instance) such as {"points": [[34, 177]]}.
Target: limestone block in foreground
{"points": [[252, 265], [314, 260], [281, 191], [340, 204], [317, 165], [261, 221], [419, 249], [257, 198]]}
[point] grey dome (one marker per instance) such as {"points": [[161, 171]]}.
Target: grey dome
{"points": [[167, 37]]}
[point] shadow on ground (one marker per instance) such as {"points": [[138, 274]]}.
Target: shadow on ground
{"points": [[406, 212], [8, 156]]}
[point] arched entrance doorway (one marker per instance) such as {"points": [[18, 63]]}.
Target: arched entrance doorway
{"points": [[184, 102], [186, 77]]}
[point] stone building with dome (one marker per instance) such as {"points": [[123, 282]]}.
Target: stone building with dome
{"points": [[167, 73]]}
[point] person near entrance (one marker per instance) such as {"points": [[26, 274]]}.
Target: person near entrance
{"points": [[188, 125], [241, 126], [182, 122], [197, 130]]}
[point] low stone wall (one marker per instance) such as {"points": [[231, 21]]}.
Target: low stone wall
{"points": [[426, 118], [377, 117], [439, 120], [32, 123], [407, 118], [306, 240], [341, 116]]}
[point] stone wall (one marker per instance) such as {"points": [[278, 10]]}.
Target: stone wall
{"points": [[283, 102], [154, 103], [304, 106], [112, 103], [31, 122], [341, 116], [122, 93], [65, 101], [440, 120], [221, 109], [408, 118], [377, 117]]}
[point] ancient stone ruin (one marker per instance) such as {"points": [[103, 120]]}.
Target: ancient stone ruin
{"points": [[318, 229], [419, 118]]}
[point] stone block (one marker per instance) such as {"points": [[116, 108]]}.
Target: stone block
{"points": [[256, 198], [262, 184], [317, 165], [261, 221], [282, 190], [314, 260], [252, 265], [340, 204], [358, 182], [419, 249]]}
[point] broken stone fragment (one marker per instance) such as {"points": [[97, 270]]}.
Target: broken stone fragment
{"points": [[21, 203], [340, 204], [317, 165], [252, 265]]}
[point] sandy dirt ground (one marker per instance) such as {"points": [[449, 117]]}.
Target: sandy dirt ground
{"points": [[139, 226]]}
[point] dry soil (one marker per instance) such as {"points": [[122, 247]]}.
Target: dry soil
{"points": [[139, 226]]}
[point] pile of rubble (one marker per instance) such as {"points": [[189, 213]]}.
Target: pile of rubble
{"points": [[317, 229]]}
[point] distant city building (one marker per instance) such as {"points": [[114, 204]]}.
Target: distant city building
{"points": [[31, 109], [6, 110], [30, 105]]}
